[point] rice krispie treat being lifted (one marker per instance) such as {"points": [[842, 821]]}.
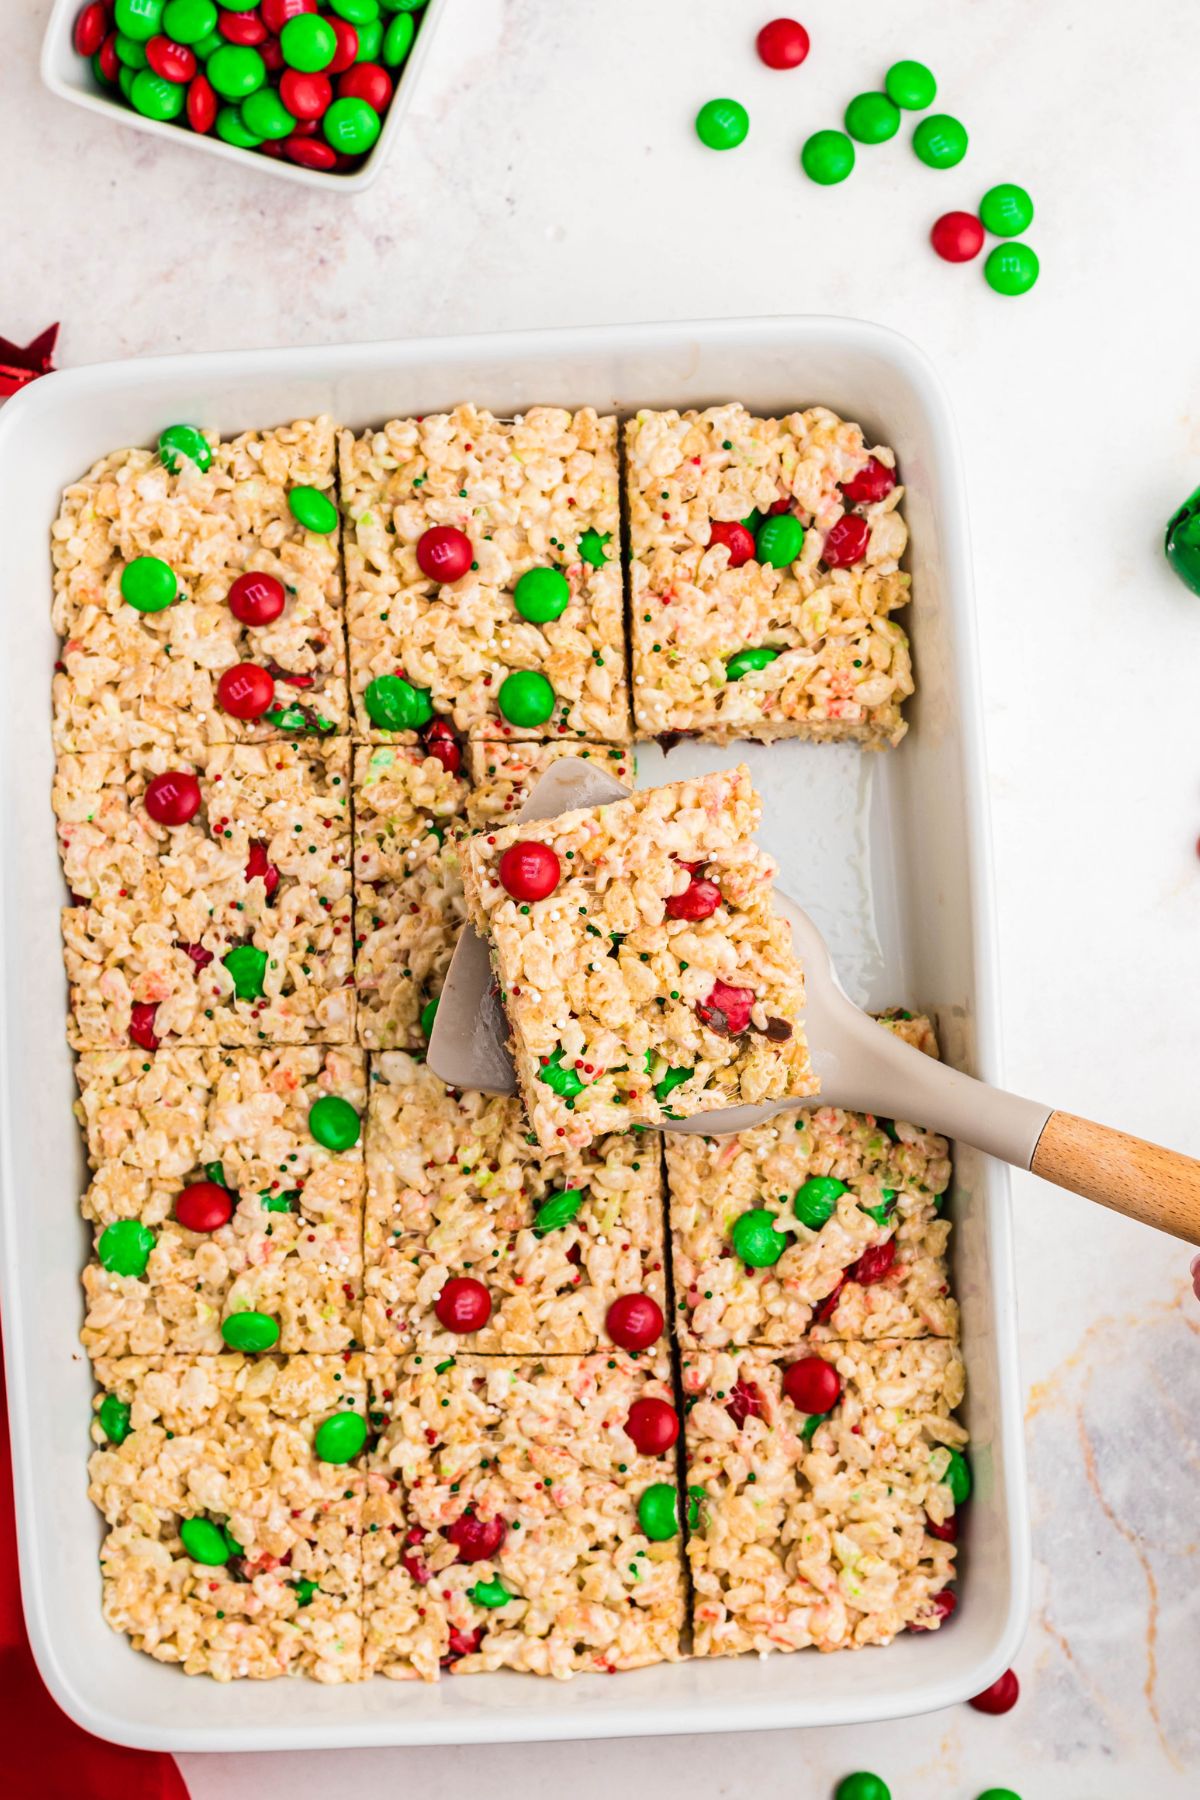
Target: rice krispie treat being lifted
{"points": [[210, 899], [483, 575], [645, 973], [503, 775], [765, 568], [198, 594]]}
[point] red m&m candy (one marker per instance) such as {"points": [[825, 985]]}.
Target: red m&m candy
{"points": [[957, 236], [699, 900], [438, 740], [1001, 1697], [476, 1539], [946, 1532], [91, 27], [174, 62], [141, 1024], [347, 46], [634, 1321], [653, 1425], [310, 153], [201, 104], [204, 1206], [259, 865], [464, 1304], [874, 1264], [444, 553], [812, 1385], [245, 691], [276, 13], [257, 599], [241, 27], [529, 870], [367, 81], [846, 542], [173, 798], [727, 1009], [305, 96], [873, 482], [783, 44], [736, 538]]}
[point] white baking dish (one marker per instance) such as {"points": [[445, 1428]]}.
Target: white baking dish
{"points": [[890, 853], [69, 75]]}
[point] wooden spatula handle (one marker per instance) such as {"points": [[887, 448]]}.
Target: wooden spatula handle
{"points": [[1144, 1181]]}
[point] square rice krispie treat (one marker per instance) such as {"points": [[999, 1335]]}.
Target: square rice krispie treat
{"points": [[146, 559], [228, 1196], [504, 775], [483, 575], [831, 1528], [645, 972], [823, 1221], [513, 1525], [210, 900], [410, 907], [543, 1243], [233, 1488], [765, 566]]}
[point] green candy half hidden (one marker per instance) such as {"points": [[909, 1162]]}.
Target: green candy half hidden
{"points": [[1182, 542]]}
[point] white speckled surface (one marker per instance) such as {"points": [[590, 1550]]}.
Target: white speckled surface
{"points": [[548, 176]]}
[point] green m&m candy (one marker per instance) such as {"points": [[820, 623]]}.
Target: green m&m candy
{"points": [[872, 118], [189, 21], [236, 71], [816, 1200], [370, 40], [557, 1211], [184, 443], [114, 1419], [130, 52], [1006, 210], [827, 157], [148, 584], [755, 1239], [204, 1543], [341, 1437], [355, 12], [658, 1512], [205, 46], [958, 1477], [940, 141], [525, 698], [247, 966], [265, 114], [745, 660], [308, 43], [402, 6], [230, 129], [351, 126], [999, 1794], [862, 1786], [140, 19], [563, 1082], [722, 124], [310, 506], [591, 547], [304, 1590], [125, 1246], [428, 1015], [910, 85], [542, 594], [250, 1331], [1183, 541], [125, 80], [881, 1213], [395, 705], [670, 1081], [155, 98], [490, 1594], [779, 540], [333, 1122], [398, 40], [1011, 269]]}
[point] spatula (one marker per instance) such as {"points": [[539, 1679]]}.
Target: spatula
{"points": [[861, 1067]]}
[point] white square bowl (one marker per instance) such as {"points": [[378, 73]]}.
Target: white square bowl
{"points": [[69, 75], [891, 850]]}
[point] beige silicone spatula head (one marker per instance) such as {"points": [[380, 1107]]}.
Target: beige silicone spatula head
{"points": [[860, 1066]]}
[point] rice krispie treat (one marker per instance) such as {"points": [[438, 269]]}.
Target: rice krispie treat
{"points": [[210, 901], [227, 1198], [644, 970], [823, 1222], [504, 775], [514, 1527], [169, 578], [483, 575], [464, 1211], [233, 1489], [823, 1484], [765, 566], [410, 909]]}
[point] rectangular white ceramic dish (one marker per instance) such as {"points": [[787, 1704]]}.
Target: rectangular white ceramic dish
{"points": [[69, 75], [890, 853]]}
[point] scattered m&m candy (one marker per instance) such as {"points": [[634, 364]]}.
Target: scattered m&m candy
{"points": [[957, 236], [862, 1786], [1001, 1697], [1182, 543], [782, 44], [872, 118], [1011, 269], [722, 124], [940, 141], [1006, 210], [910, 85], [827, 157]]}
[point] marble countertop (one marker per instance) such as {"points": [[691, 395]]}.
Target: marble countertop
{"points": [[548, 175]]}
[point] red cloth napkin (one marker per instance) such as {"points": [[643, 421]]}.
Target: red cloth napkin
{"points": [[45, 1755]]}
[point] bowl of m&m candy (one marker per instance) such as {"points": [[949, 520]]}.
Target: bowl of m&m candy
{"points": [[315, 89]]}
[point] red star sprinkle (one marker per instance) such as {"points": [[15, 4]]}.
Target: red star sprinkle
{"points": [[22, 364]]}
